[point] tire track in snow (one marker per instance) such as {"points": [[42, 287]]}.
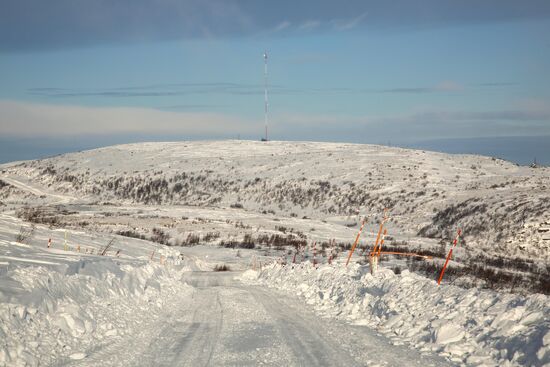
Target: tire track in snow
{"points": [[310, 347], [262, 327], [38, 192]]}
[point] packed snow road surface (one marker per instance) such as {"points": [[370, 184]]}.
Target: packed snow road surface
{"points": [[225, 322]]}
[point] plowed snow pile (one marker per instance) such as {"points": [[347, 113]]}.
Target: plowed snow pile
{"points": [[54, 314], [473, 326]]}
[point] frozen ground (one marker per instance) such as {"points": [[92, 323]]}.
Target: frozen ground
{"points": [[62, 307], [145, 303], [502, 208]]}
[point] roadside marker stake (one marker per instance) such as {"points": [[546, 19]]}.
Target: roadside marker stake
{"points": [[382, 242], [455, 242], [375, 249], [50, 243], [356, 241]]}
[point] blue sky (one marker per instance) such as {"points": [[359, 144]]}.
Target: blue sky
{"points": [[362, 71]]}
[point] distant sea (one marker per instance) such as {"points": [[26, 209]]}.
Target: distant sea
{"points": [[521, 150]]}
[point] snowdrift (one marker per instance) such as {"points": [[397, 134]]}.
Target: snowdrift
{"points": [[56, 314], [472, 326]]}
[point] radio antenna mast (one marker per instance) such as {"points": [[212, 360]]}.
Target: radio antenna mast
{"points": [[265, 93]]}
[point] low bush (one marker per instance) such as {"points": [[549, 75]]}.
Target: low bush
{"points": [[222, 267]]}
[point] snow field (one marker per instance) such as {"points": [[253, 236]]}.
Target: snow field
{"points": [[471, 326], [428, 193], [60, 314]]}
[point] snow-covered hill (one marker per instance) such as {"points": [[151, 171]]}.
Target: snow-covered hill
{"points": [[501, 207], [144, 303]]}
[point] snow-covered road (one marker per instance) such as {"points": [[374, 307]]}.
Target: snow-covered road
{"points": [[37, 190], [225, 322]]}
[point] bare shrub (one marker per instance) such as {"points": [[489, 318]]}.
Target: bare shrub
{"points": [[222, 267], [25, 234], [39, 215], [160, 236], [211, 236], [191, 240], [132, 234]]}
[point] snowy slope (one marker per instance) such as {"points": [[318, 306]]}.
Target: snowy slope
{"points": [[502, 207], [63, 307], [67, 308]]}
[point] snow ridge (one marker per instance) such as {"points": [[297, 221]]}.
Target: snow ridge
{"points": [[476, 327], [59, 314]]}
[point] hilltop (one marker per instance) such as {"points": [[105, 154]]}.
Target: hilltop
{"points": [[501, 207]]}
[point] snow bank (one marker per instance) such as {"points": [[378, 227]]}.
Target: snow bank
{"points": [[54, 315], [472, 326]]}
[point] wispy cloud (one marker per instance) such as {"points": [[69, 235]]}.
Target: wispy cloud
{"points": [[309, 25], [347, 24], [190, 106], [158, 90], [282, 26], [18, 119], [228, 88], [497, 84], [39, 24]]}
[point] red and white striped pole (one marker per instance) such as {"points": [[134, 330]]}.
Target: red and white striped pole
{"points": [[50, 243], [455, 242]]}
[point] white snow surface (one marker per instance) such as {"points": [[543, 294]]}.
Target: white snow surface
{"points": [[64, 308], [473, 327], [57, 305], [430, 193], [60, 308]]}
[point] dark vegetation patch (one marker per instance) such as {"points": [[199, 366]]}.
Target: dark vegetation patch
{"points": [[492, 272], [222, 267], [49, 215]]}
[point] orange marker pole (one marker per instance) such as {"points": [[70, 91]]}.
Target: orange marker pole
{"points": [[455, 242], [382, 242], [375, 249], [356, 241]]}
